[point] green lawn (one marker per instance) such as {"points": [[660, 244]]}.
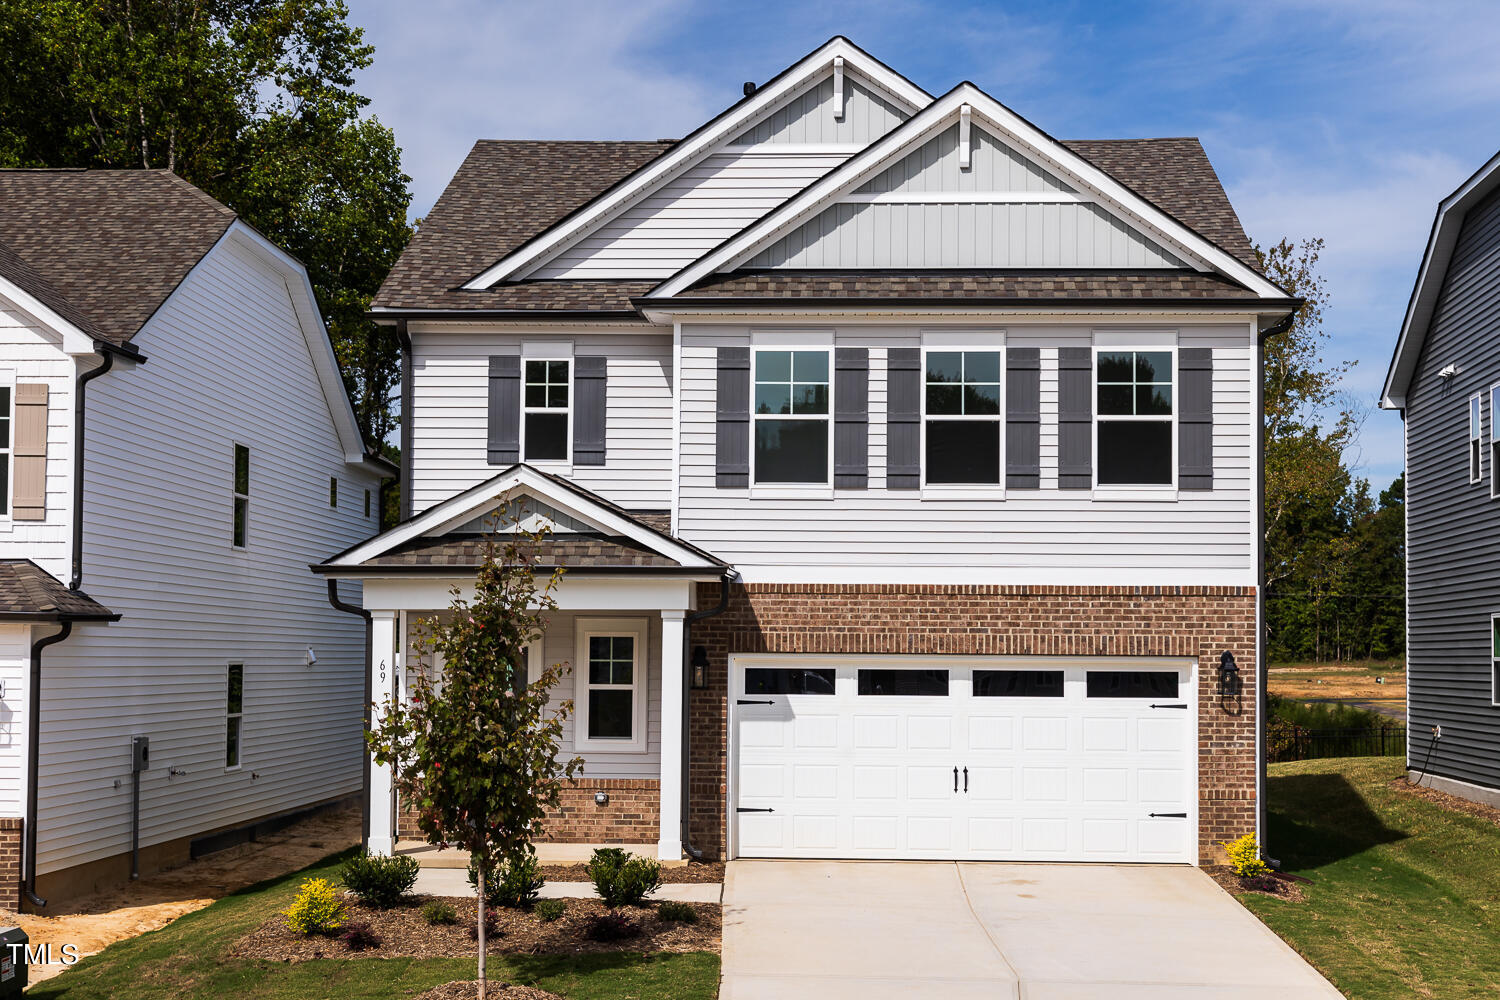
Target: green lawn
{"points": [[1405, 900], [184, 960]]}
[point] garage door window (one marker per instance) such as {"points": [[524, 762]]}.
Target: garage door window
{"points": [[1132, 684], [786, 680], [904, 683], [1018, 683]]}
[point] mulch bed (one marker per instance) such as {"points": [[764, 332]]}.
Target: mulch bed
{"points": [[692, 872], [1281, 886], [469, 990], [1453, 802], [403, 933]]}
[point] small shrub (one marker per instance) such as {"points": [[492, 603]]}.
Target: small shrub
{"points": [[317, 908], [514, 884], [380, 881], [437, 912], [622, 879], [611, 927], [491, 927], [359, 935], [671, 909], [550, 909], [1263, 883], [1244, 857]]}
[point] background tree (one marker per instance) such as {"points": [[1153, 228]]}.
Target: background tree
{"points": [[475, 749], [251, 100]]}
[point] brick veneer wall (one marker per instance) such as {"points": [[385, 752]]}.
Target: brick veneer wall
{"points": [[632, 815], [992, 620], [10, 862]]}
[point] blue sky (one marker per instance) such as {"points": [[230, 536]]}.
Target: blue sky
{"points": [[1340, 119]]}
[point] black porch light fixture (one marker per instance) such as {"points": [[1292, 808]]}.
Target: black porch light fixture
{"points": [[700, 667], [1229, 673]]}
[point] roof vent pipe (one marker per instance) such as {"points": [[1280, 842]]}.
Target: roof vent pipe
{"points": [[749, 88]]}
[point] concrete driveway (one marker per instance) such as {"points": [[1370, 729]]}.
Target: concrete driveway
{"points": [[872, 930]]}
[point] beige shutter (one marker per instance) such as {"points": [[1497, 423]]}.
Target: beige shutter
{"points": [[29, 494]]}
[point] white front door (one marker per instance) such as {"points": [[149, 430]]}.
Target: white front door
{"points": [[1003, 759]]}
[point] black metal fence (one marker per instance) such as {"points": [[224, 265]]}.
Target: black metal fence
{"points": [[1286, 741]]}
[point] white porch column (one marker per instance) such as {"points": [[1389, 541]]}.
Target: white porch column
{"points": [[673, 675], [382, 666]]}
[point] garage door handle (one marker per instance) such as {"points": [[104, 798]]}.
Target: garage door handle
{"points": [[955, 781], [751, 701], [1168, 815], [744, 809], [1150, 706]]}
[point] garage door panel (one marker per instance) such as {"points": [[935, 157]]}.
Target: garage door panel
{"points": [[1157, 786], [1106, 784], [1040, 733], [815, 833], [1044, 836], [992, 835], [1106, 735], [763, 781], [876, 732], [812, 732], [815, 781], [992, 784], [874, 833], [1044, 784], [1159, 735], [930, 835], [991, 732], [927, 782], [877, 782], [1161, 839], [1106, 836]]}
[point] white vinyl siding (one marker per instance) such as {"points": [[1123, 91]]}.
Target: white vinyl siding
{"points": [[15, 670], [1046, 535], [809, 118], [450, 413], [157, 508]]}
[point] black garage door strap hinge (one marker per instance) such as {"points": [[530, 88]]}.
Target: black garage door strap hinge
{"points": [[1151, 706], [743, 809], [751, 701], [1168, 815]]}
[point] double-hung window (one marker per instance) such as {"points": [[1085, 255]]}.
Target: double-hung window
{"points": [[546, 414], [790, 410], [1476, 423], [234, 713], [1494, 441], [961, 401], [241, 525], [6, 425], [1136, 443], [611, 679], [1495, 659]]}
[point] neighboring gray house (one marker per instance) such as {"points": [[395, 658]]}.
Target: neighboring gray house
{"points": [[1445, 380]]}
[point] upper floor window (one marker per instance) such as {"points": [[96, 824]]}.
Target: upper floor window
{"points": [[546, 412], [5, 449], [1494, 441], [1476, 421], [792, 431], [1135, 422], [241, 496], [962, 417], [367, 503], [333, 491]]}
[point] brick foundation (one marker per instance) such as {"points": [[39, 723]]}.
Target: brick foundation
{"points": [[10, 863], [632, 816], [992, 620]]}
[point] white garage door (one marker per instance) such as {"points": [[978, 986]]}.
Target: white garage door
{"points": [[1073, 760]]}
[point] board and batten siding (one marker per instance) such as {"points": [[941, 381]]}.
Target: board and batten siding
{"points": [[228, 363], [1452, 564], [32, 353], [1045, 535], [809, 117], [450, 411]]}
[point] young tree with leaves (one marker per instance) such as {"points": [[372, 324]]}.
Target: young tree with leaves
{"points": [[474, 749]]}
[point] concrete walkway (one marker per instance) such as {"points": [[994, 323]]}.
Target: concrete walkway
{"points": [[872, 930], [455, 882]]}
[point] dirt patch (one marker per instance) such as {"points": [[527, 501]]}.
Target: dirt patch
{"points": [[94, 922], [1382, 685], [690, 873], [403, 933], [470, 991], [1276, 886], [1456, 803]]}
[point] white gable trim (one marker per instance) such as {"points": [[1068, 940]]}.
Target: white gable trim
{"points": [[74, 340], [478, 500], [788, 83], [1446, 226], [1008, 127]]}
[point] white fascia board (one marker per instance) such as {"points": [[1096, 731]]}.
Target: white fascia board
{"points": [[1009, 127], [879, 315], [537, 251], [1446, 225], [74, 341], [576, 593], [464, 507]]}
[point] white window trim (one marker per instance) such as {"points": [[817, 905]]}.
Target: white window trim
{"points": [[236, 495], [562, 466], [1113, 491], [961, 491], [239, 742], [8, 450], [790, 490], [1473, 455], [1494, 660], [640, 688], [1494, 443], [533, 660]]}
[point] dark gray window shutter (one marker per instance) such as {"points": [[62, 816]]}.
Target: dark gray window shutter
{"points": [[1075, 418], [505, 409], [851, 418], [732, 438], [1195, 418], [903, 418], [1023, 418], [589, 389]]}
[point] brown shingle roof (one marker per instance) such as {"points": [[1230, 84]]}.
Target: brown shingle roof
{"points": [[569, 551], [507, 192], [29, 280], [112, 243], [935, 286], [29, 592]]}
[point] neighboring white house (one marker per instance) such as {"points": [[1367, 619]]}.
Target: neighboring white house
{"points": [[176, 447], [959, 421]]}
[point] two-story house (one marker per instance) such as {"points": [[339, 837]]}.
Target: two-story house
{"points": [[903, 460], [1445, 380], [176, 446]]}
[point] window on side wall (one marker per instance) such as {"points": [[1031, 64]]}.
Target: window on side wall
{"points": [[611, 695], [1136, 418], [1476, 424], [961, 406], [546, 410], [790, 410], [1494, 441], [239, 532], [234, 713], [6, 425], [1495, 659]]}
